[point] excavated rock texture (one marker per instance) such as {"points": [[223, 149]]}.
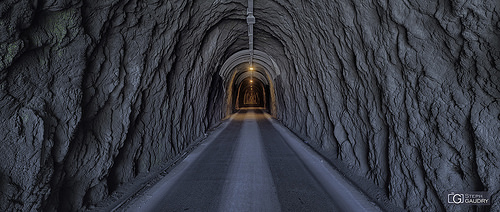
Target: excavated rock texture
{"points": [[405, 92], [93, 93]]}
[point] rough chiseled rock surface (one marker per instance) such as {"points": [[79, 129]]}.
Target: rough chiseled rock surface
{"points": [[93, 93]]}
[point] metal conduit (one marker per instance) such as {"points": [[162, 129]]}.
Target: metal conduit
{"points": [[250, 22]]}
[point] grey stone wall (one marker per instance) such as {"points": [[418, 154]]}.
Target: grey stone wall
{"points": [[405, 92]]}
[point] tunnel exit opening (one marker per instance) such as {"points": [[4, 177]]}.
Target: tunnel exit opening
{"points": [[251, 93], [247, 86]]}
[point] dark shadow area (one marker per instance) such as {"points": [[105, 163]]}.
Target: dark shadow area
{"points": [[251, 92]]}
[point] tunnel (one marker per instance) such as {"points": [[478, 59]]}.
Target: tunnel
{"points": [[245, 82], [403, 98], [250, 93]]}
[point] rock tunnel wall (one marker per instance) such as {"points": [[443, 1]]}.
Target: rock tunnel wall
{"points": [[405, 92], [93, 93]]}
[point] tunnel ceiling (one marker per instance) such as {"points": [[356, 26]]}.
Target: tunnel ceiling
{"points": [[238, 65], [404, 95], [243, 72]]}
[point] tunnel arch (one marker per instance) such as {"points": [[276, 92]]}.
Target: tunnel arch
{"points": [[235, 71], [251, 92]]}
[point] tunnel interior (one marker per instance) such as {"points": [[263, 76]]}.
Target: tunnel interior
{"points": [[250, 94], [250, 88], [250, 85], [96, 93]]}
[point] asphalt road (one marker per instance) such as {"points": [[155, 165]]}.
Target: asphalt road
{"points": [[252, 164]]}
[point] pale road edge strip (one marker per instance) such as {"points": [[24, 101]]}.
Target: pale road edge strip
{"points": [[333, 179], [164, 185]]}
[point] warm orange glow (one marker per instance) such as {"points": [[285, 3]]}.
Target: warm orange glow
{"points": [[251, 80], [251, 68]]}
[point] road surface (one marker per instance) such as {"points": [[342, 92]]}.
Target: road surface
{"points": [[252, 163]]}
